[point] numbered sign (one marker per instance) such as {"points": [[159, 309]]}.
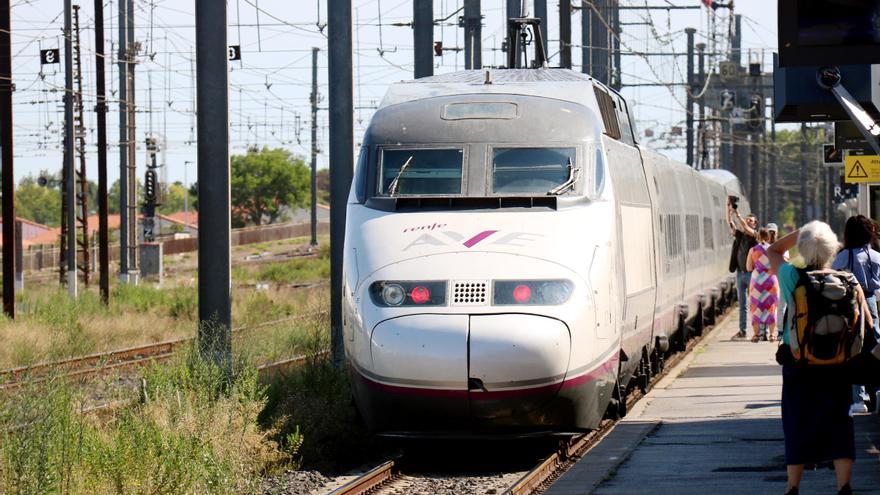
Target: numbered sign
{"points": [[50, 56], [234, 52], [728, 70]]}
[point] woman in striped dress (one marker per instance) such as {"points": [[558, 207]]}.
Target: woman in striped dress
{"points": [[763, 288]]}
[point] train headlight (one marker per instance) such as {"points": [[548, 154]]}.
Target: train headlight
{"points": [[531, 292], [393, 295], [388, 293]]}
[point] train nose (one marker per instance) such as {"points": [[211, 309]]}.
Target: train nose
{"points": [[516, 364], [450, 369]]}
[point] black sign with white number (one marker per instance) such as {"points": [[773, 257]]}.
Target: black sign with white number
{"points": [[50, 56], [234, 52]]}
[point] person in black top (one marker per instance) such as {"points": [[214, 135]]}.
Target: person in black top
{"points": [[744, 233]]}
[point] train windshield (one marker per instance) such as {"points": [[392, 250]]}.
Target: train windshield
{"points": [[421, 172], [534, 170]]}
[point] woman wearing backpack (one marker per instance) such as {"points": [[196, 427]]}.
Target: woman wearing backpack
{"points": [[858, 258], [815, 399], [763, 289]]}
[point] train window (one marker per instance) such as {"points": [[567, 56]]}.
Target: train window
{"points": [[692, 226], [599, 165], [533, 170], [626, 134], [360, 175], [609, 114], [708, 235], [421, 172]]}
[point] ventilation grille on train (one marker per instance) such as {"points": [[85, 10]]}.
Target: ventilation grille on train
{"points": [[469, 292]]}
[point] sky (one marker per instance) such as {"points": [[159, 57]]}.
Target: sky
{"points": [[270, 86]]}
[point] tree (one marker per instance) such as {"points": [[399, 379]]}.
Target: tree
{"points": [[266, 182], [38, 203], [113, 196], [175, 199], [194, 195], [323, 180]]}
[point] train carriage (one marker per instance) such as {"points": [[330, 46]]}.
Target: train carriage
{"points": [[513, 257]]}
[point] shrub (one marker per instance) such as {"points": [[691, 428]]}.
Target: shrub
{"points": [[313, 406], [194, 430]]}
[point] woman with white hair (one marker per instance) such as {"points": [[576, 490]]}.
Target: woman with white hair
{"points": [[815, 400]]}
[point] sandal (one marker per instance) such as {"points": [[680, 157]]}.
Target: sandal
{"points": [[755, 338], [772, 338]]}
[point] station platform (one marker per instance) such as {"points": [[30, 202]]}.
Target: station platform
{"points": [[712, 425]]}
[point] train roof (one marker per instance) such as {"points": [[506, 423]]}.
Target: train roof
{"points": [[723, 177], [560, 84]]}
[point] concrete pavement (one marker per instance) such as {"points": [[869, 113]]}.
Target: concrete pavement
{"points": [[713, 425]]}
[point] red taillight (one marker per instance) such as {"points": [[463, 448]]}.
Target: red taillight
{"points": [[420, 294], [522, 293]]}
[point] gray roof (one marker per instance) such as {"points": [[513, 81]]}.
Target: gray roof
{"points": [[501, 76], [560, 84], [723, 177]]}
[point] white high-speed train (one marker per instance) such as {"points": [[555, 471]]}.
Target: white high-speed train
{"points": [[513, 257]]}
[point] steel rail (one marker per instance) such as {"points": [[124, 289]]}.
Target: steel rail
{"points": [[102, 362], [368, 481]]}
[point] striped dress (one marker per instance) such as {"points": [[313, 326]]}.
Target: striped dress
{"points": [[763, 288]]}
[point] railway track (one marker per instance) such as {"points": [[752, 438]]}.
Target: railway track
{"points": [[116, 360], [389, 478]]}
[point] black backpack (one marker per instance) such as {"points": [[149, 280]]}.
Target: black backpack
{"points": [[825, 323]]}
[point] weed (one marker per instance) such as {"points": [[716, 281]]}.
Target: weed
{"points": [[183, 304], [194, 430], [312, 410]]}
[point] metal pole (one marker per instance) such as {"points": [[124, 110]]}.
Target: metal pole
{"points": [[565, 34], [773, 207], [101, 110], [215, 315], [599, 47], [473, 27], [541, 13], [586, 15], [514, 9], [803, 174], [9, 251], [423, 37], [123, 140], [186, 196], [132, 209], [341, 102], [754, 169], [617, 82], [701, 101], [736, 42], [68, 150], [19, 259], [314, 101], [689, 105]]}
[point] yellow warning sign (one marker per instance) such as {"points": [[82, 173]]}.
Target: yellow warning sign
{"points": [[861, 169]]}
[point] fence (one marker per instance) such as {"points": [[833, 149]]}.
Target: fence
{"points": [[42, 257]]}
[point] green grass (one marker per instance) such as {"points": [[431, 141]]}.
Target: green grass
{"points": [[191, 428], [292, 271], [194, 430], [314, 406]]}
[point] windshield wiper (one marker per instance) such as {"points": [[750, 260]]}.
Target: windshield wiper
{"points": [[392, 189], [573, 176]]}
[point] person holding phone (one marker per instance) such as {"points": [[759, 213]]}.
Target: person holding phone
{"points": [[744, 233]]}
